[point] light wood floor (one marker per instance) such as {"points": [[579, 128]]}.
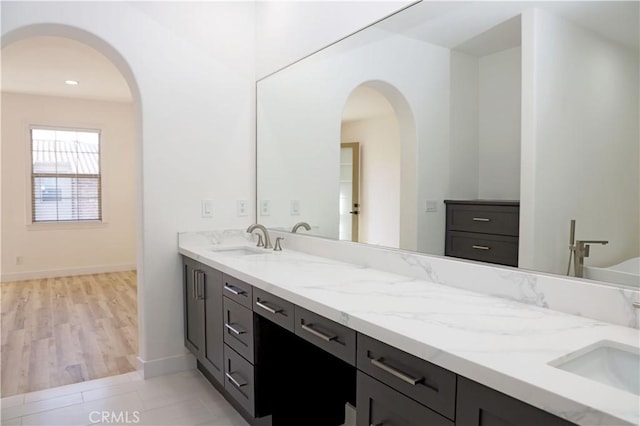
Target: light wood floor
{"points": [[57, 331]]}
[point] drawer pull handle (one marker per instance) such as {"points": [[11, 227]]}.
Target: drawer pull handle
{"points": [[397, 373], [234, 290], [234, 381], [268, 308], [482, 219], [317, 333], [235, 330], [481, 247]]}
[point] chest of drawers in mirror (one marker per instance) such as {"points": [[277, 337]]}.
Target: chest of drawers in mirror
{"points": [[483, 230]]}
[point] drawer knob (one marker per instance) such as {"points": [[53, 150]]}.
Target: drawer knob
{"points": [[395, 372], [234, 330], [267, 308], [234, 381], [234, 290], [482, 219], [321, 335], [481, 247]]}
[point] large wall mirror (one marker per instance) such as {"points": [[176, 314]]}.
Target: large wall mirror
{"points": [[529, 103]]}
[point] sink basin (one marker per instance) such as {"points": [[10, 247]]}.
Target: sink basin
{"points": [[239, 251], [607, 362]]}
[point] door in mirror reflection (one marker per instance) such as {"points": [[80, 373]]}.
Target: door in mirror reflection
{"points": [[349, 191]]}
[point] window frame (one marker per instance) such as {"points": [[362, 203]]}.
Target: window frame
{"points": [[30, 197]]}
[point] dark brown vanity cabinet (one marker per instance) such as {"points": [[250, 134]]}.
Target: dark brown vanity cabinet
{"points": [[478, 405], [401, 389], [483, 230], [280, 364], [203, 315]]}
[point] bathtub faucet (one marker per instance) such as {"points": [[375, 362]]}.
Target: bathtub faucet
{"points": [[581, 250]]}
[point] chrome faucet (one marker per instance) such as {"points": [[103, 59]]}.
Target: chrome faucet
{"points": [[267, 240], [580, 251], [304, 225]]}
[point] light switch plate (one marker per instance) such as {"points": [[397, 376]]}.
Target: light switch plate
{"points": [[265, 208], [242, 208], [432, 206], [295, 207], [207, 208]]}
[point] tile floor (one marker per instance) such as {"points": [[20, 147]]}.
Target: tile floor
{"points": [[184, 398]]}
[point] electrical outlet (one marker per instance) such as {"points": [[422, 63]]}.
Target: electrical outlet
{"points": [[242, 208], [295, 207], [431, 206], [265, 208], [207, 208]]}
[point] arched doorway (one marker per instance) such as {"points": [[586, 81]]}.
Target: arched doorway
{"points": [[85, 291], [378, 131]]}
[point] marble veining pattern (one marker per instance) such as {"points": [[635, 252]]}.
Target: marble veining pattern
{"points": [[498, 341]]}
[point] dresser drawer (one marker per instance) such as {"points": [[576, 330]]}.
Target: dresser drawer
{"points": [[484, 247], [488, 219], [238, 328], [328, 335], [237, 290], [273, 308], [427, 383], [378, 404], [239, 380]]}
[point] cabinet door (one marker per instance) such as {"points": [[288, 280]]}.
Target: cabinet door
{"points": [[478, 405], [211, 287], [379, 405], [193, 309]]}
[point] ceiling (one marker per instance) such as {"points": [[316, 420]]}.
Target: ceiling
{"points": [[41, 65]]}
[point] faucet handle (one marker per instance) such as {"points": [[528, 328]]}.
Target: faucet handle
{"points": [[260, 242], [278, 247]]}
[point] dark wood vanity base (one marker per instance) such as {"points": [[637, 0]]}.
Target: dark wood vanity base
{"points": [[284, 365]]}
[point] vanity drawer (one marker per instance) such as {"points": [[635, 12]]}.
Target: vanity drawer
{"points": [[328, 335], [488, 219], [238, 328], [237, 290], [239, 379], [378, 404], [427, 383], [484, 247], [273, 308]]}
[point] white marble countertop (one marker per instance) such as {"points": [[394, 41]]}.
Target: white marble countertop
{"points": [[503, 344]]}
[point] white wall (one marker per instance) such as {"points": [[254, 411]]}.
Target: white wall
{"points": [[582, 144], [463, 133], [194, 74], [485, 125], [287, 31], [64, 249], [379, 138], [499, 103]]}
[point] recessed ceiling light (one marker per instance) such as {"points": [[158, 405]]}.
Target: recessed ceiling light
{"points": [[71, 82]]}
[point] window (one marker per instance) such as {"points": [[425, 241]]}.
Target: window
{"points": [[65, 175]]}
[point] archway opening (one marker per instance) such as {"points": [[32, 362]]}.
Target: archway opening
{"points": [[70, 209], [378, 181]]}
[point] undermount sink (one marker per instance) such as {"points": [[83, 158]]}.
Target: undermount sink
{"points": [[239, 251], [607, 362]]}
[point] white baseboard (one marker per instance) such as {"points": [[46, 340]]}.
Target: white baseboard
{"points": [[53, 273], [163, 366]]}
